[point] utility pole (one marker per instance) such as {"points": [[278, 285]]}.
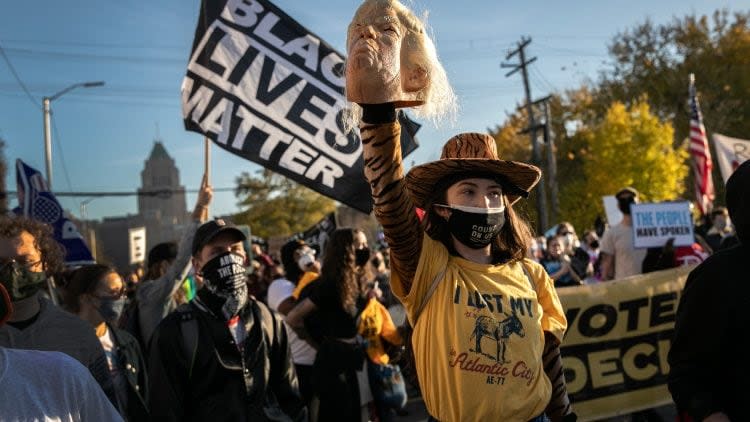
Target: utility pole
{"points": [[549, 141], [541, 203]]}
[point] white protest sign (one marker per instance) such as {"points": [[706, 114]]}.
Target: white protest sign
{"points": [[654, 224], [137, 244], [614, 216], [730, 152]]}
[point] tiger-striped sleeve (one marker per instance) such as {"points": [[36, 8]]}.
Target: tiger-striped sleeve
{"points": [[559, 404], [394, 208]]}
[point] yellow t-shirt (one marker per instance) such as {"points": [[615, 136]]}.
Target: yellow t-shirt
{"points": [[307, 278], [478, 342], [376, 324]]}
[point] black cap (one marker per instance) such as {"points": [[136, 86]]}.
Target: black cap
{"points": [[211, 229], [6, 308], [626, 191]]}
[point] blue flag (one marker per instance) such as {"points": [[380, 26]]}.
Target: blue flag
{"points": [[37, 202]]}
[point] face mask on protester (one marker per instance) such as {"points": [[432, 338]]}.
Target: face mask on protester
{"points": [[594, 244], [19, 281], [376, 262], [110, 309], [361, 256], [473, 226], [224, 277]]}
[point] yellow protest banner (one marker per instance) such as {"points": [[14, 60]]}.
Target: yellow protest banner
{"points": [[615, 349]]}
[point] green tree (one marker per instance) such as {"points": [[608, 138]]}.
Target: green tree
{"points": [[274, 205], [630, 146], [656, 60]]}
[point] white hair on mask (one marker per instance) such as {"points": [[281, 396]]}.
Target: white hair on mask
{"points": [[440, 102]]}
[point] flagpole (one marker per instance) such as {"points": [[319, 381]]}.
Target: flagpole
{"points": [[207, 163]]}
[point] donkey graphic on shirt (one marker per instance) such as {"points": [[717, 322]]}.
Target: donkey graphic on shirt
{"points": [[500, 331]]}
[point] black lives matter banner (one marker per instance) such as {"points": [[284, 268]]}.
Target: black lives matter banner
{"points": [[263, 87], [615, 349]]}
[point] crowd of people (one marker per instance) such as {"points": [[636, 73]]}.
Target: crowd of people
{"points": [[309, 334], [608, 253]]}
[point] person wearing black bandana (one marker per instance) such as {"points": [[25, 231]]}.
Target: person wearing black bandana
{"points": [[224, 355]]}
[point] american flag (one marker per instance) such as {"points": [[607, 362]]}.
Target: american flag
{"points": [[702, 163]]}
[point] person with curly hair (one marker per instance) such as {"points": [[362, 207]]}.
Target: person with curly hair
{"points": [[326, 315], [28, 255]]}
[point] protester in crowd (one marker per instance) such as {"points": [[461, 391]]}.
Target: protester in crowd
{"points": [[168, 265], [619, 258], [96, 293], [28, 255], [332, 308], [264, 271], [383, 279], [37, 385], [378, 330], [298, 260], [224, 355], [538, 248], [721, 228], [708, 370], [473, 246], [558, 264], [579, 259], [590, 245]]}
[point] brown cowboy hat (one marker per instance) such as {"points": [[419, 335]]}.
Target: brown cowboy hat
{"points": [[470, 155]]}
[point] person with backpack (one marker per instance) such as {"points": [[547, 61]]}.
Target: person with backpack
{"points": [[487, 321], [223, 356]]}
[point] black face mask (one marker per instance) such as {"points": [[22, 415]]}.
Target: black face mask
{"points": [[624, 204], [361, 256], [111, 309], [224, 277], [594, 244], [475, 227], [376, 262]]}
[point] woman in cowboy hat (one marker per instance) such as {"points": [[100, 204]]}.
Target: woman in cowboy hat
{"points": [[487, 321]]}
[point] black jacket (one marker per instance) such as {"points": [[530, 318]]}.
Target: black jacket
{"points": [[709, 364], [218, 382], [133, 366]]}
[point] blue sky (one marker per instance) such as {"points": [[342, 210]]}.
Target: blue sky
{"points": [[140, 49]]}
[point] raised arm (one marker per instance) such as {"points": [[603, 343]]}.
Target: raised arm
{"points": [[394, 208]]}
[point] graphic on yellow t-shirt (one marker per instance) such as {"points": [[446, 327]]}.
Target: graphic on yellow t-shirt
{"points": [[499, 331]]}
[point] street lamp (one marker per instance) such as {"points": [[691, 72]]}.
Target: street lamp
{"points": [[47, 133]]}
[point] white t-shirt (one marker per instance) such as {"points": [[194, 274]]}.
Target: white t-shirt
{"points": [[618, 242], [302, 352], [50, 387]]}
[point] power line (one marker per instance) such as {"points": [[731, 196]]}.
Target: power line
{"points": [[162, 193], [18, 78]]}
